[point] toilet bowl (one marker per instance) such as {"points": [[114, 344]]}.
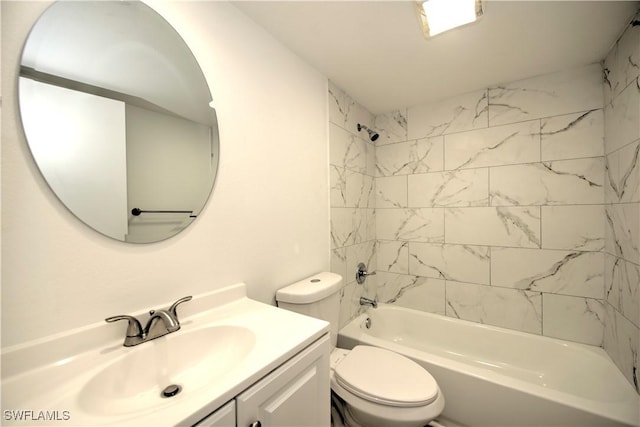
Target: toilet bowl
{"points": [[383, 388], [380, 388]]}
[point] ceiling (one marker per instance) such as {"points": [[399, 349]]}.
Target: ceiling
{"points": [[376, 52]]}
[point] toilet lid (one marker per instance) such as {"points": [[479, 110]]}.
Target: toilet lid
{"points": [[385, 377]]}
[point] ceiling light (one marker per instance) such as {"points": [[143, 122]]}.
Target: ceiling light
{"points": [[438, 16]]}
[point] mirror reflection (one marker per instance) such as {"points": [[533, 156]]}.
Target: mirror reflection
{"points": [[119, 118]]}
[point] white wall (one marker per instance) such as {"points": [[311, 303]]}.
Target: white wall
{"points": [[57, 123], [170, 166], [267, 222]]}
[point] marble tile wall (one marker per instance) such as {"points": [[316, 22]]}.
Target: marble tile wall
{"points": [[490, 206], [622, 209], [517, 205], [353, 197]]}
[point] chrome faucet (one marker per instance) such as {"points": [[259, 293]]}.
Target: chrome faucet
{"points": [[371, 302], [362, 273], [160, 322]]}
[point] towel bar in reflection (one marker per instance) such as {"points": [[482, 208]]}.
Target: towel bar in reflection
{"points": [[138, 211]]}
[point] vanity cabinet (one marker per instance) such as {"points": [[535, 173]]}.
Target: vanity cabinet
{"points": [[222, 417], [295, 394]]}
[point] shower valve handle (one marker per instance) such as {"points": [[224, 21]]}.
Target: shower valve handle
{"points": [[362, 273]]}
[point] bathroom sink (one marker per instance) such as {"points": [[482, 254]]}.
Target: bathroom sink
{"points": [[189, 360], [226, 343]]}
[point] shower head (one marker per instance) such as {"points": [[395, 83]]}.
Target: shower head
{"points": [[372, 134]]}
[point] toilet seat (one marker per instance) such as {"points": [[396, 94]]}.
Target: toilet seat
{"points": [[386, 378]]}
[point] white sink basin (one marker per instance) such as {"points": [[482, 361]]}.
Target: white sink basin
{"points": [[226, 343], [190, 360]]}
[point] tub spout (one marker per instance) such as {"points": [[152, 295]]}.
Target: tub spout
{"points": [[371, 302]]}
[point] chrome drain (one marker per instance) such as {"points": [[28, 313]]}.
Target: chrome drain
{"points": [[171, 390]]}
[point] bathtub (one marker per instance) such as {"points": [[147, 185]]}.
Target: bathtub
{"points": [[495, 377]]}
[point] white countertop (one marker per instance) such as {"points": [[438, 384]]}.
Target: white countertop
{"points": [[51, 374]]}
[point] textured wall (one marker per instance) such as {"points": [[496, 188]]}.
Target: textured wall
{"points": [[622, 193], [516, 205], [489, 207], [352, 172]]}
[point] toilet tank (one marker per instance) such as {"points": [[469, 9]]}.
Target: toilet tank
{"points": [[316, 296]]}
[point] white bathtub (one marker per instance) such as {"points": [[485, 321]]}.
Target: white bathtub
{"points": [[495, 377]]}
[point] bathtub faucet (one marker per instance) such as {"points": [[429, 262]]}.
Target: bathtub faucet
{"points": [[371, 302]]}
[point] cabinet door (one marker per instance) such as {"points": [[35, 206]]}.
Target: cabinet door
{"points": [[222, 417], [296, 394]]}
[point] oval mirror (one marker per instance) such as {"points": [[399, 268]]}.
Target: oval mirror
{"points": [[118, 117]]}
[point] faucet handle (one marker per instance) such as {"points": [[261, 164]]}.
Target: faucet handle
{"points": [[134, 329], [362, 273], [175, 305]]}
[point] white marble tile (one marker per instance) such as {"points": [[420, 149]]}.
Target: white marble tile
{"points": [[365, 252], [507, 308], [456, 114], [622, 287], [359, 190], [491, 226], [347, 150], [460, 263], [573, 136], [340, 105], [423, 155], [560, 182], [371, 224], [622, 343], [370, 159], [360, 225], [559, 272], [622, 233], [338, 190], [418, 293], [468, 187], [499, 145], [564, 92], [623, 174], [622, 64], [392, 127], [339, 262], [573, 227], [349, 306], [393, 256], [418, 225], [342, 233], [345, 112], [364, 225], [573, 318], [391, 191], [622, 118]]}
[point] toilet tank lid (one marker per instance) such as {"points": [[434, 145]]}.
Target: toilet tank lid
{"points": [[311, 289]]}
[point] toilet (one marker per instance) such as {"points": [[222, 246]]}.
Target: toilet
{"points": [[379, 387]]}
